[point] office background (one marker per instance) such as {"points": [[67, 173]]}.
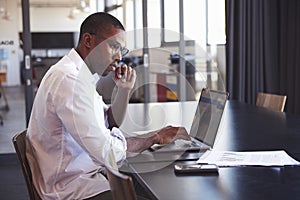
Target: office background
{"points": [[261, 38], [262, 54], [263, 46]]}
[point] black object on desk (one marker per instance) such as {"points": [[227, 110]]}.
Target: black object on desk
{"points": [[196, 168]]}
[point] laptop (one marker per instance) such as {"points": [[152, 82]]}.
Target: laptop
{"points": [[205, 124]]}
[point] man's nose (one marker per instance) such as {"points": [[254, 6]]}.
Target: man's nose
{"points": [[117, 56]]}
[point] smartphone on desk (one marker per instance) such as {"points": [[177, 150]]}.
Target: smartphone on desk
{"points": [[196, 168]]}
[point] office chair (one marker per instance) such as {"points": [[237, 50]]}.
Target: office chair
{"points": [[271, 101], [121, 185], [20, 147]]}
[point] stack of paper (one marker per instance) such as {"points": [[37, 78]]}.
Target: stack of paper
{"points": [[251, 158]]}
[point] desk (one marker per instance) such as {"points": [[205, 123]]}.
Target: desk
{"points": [[243, 127]]}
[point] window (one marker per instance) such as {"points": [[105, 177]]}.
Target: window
{"points": [[114, 7], [216, 33], [204, 21]]}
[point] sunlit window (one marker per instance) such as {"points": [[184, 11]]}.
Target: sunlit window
{"points": [[114, 7], [216, 33], [204, 20]]}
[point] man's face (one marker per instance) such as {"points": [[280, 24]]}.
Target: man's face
{"points": [[106, 51]]}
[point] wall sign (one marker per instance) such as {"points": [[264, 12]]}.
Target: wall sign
{"points": [[6, 42]]}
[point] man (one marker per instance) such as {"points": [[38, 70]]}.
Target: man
{"points": [[71, 131]]}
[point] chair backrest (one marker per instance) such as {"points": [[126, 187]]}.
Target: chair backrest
{"points": [[121, 185], [271, 101], [20, 147]]}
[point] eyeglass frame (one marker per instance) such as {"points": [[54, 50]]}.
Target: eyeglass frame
{"points": [[117, 48]]}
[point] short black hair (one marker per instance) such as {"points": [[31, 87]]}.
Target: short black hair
{"points": [[100, 21]]}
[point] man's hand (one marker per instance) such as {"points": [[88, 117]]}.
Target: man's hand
{"points": [[163, 136], [170, 133], [124, 77]]}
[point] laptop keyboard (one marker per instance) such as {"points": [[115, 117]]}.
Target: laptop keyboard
{"points": [[183, 143], [188, 143], [180, 145]]}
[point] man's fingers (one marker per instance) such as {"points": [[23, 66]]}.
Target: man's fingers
{"points": [[118, 72], [170, 133], [131, 74], [122, 71], [183, 134], [184, 137]]}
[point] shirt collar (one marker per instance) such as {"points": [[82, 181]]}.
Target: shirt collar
{"points": [[81, 66]]}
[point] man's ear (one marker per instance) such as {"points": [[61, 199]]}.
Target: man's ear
{"points": [[87, 40]]}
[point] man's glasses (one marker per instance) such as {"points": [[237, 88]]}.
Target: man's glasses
{"points": [[115, 46]]}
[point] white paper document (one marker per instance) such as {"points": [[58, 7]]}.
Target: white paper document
{"points": [[247, 158]]}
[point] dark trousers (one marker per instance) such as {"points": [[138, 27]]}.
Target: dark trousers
{"points": [[102, 196]]}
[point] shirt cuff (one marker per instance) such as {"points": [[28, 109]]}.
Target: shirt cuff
{"points": [[115, 132]]}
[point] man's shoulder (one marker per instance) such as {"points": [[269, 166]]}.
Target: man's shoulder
{"points": [[64, 66]]}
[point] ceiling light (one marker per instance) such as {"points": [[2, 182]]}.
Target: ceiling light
{"points": [[71, 14], [82, 3], [80, 6], [84, 6], [6, 15]]}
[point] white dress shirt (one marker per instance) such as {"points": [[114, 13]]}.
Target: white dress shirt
{"points": [[67, 138]]}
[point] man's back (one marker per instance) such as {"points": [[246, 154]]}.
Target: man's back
{"points": [[60, 165]]}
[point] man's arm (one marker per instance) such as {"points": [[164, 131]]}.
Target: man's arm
{"points": [[124, 84], [117, 110]]}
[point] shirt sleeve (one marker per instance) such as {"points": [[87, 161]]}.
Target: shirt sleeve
{"points": [[115, 132], [82, 112]]}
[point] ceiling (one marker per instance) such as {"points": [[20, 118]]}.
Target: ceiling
{"points": [[56, 3]]}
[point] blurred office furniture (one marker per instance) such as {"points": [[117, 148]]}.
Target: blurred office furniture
{"points": [[2, 93], [189, 74], [271, 101], [40, 66], [47, 49], [3, 78], [20, 147]]}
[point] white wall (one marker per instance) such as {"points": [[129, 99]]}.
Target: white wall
{"points": [[41, 20], [53, 20], [9, 40]]}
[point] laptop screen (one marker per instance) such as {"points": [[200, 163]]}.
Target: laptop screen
{"points": [[208, 115]]}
